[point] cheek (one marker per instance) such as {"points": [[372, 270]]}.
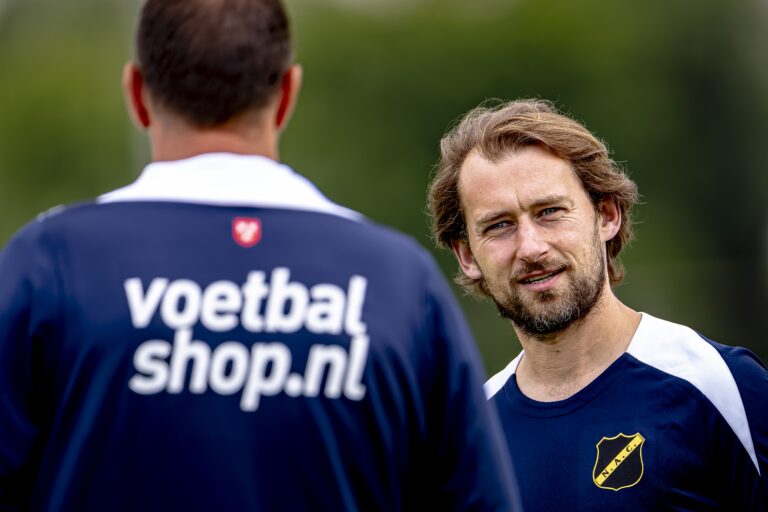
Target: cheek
{"points": [[491, 259], [594, 250], [571, 244], [576, 253]]}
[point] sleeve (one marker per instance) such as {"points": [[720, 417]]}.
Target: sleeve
{"points": [[751, 376], [24, 319], [473, 463]]}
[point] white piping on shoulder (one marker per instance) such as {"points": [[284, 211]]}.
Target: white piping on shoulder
{"points": [[680, 351], [227, 179], [495, 383]]}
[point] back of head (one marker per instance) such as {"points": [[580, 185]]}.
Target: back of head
{"points": [[211, 60], [497, 132]]}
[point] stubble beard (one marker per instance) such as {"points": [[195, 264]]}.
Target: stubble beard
{"points": [[547, 314]]}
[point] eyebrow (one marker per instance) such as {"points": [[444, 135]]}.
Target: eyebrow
{"points": [[495, 215], [553, 199]]}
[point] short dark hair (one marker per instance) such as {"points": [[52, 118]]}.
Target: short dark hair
{"points": [[496, 132], [210, 60]]}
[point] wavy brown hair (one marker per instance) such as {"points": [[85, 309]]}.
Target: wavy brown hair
{"points": [[497, 132]]}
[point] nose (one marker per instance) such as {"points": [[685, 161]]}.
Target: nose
{"points": [[531, 244]]}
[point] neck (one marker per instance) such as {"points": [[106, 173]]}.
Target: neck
{"points": [[560, 367], [174, 139]]}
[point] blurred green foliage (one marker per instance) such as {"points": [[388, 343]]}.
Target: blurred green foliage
{"points": [[676, 88]]}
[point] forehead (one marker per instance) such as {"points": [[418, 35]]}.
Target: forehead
{"points": [[516, 181]]}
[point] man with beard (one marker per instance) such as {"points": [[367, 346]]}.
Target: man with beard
{"points": [[605, 408]]}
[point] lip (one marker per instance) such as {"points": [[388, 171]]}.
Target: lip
{"points": [[543, 284]]}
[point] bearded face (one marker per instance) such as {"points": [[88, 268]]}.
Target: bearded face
{"points": [[535, 240], [544, 314]]}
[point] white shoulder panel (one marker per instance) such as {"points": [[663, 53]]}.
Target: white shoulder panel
{"points": [[497, 382], [680, 351]]}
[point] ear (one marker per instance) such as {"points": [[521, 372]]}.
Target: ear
{"points": [[609, 218], [466, 259], [289, 93], [135, 95]]}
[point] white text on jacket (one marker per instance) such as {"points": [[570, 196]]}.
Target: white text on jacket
{"points": [[263, 369]]}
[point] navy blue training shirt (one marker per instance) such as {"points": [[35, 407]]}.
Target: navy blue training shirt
{"points": [[677, 423], [220, 336]]}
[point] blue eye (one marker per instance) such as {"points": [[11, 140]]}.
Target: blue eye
{"points": [[498, 225], [550, 210]]}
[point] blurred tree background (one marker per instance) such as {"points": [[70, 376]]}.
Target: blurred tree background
{"points": [[677, 88]]}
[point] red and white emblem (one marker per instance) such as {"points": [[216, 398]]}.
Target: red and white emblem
{"points": [[246, 231]]}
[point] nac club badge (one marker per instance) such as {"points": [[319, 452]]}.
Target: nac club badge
{"points": [[619, 461]]}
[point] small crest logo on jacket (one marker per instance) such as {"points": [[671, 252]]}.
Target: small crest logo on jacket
{"points": [[246, 231], [619, 461]]}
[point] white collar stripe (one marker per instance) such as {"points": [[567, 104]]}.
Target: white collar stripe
{"points": [[225, 179], [681, 352]]}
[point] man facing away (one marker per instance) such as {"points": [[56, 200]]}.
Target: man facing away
{"points": [[605, 408], [220, 336]]}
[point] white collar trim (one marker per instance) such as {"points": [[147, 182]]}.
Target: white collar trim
{"points": [[227, 179]]}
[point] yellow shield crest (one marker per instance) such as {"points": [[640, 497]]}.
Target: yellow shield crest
{"points": [[619, 461]]}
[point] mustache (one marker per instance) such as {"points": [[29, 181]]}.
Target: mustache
{"points": [[552, 265]]}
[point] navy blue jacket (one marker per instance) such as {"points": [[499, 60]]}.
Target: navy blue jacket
{"points": [[220, 336]]}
